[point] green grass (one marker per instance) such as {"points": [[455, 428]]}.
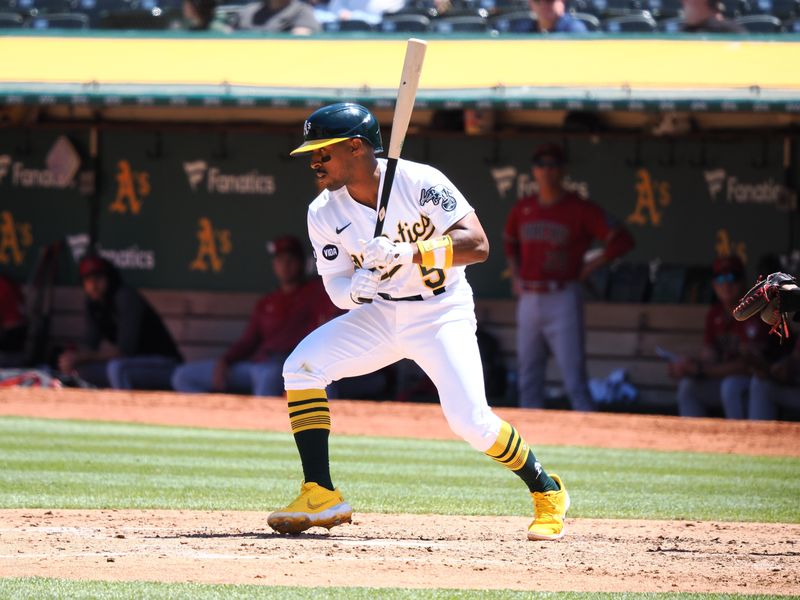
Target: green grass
{"points": [[38, 588], [78, 464]]}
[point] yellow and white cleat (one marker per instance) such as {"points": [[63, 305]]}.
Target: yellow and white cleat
{"points": [[549, 511], [316, 506]]}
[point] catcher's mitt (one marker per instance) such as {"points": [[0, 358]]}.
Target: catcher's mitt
{"points": [[764, 298]]}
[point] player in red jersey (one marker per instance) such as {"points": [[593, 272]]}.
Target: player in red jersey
{"points": [[546, 237]]}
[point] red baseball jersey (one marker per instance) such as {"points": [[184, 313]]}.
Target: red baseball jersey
{"points": [[730, 338], [549, 242], [281, 320]]}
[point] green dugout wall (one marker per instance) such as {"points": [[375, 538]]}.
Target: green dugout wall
{"points": [[194, 210], [181, 205]]}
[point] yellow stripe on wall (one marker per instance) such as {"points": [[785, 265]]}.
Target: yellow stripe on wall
{"points": [[449, 64]]}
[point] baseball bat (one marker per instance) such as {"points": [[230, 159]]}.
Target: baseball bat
{"points": [[404, 105], [406, 93]]}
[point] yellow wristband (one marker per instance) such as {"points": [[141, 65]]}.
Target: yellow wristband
{"points": [[437, 253]]}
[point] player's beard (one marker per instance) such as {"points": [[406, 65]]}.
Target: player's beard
{"points": [[326, 182]]}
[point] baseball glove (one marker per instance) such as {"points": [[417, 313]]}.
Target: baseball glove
{"points": [[764, 299]]}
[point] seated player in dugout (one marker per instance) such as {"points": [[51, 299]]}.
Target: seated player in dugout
{"points": [[733, 353], [407, 297], [546, 238], [775, 300], [126, 344], [279, 320]]}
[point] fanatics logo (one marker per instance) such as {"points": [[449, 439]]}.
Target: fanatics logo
{"points": [[438, 194], [330, 252]]}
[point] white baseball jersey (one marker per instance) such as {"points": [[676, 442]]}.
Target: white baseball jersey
{"points": [[437, 331], [423, 204]]}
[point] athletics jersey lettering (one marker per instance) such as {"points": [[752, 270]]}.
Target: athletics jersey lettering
{"points": [[421, 230], [423, 204]]}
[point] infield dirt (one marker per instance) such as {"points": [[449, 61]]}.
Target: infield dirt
{"points": [[416, 551]]}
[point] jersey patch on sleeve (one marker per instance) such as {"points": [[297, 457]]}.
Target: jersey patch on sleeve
{"points": [[438, 194], [330, 252]]}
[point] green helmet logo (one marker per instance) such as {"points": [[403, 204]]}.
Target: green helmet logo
{"points": [[338, 122]]}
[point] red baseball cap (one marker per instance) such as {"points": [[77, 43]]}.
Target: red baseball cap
{"points": [[728, 264], [286, 243], [92, 265], [550, 150]]}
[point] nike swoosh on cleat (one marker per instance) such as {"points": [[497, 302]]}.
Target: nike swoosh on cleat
{"points": [[313, 506], [340, 230]]}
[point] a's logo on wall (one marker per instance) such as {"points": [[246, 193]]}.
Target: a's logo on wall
{"points": [[730, 189], [438, 194], [15, 239], [724, 246], [652, 196], [212, 246], [132, 188], [218, 182]]}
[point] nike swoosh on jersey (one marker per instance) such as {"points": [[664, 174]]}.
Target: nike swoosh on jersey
{"points": [[340, 230]]}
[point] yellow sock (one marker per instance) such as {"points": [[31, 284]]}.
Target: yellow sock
{"points": [[510, 450], [308, 409]]}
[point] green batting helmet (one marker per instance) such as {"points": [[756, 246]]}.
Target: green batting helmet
{"points": [[338, 122]]}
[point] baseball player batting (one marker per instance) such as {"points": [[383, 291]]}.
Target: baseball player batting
{"points": [[407, 297]]}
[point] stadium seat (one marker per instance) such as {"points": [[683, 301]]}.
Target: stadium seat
{"points": [[59, 21], [37, 7], [133, 19], [516, 22], [592, 23], [668, 284], [463, 24], [756, 7], [405, 23], [672, 25], [497, 7], [95, 9], [664, 9], [582, 6], [641, 23], [629, 283], [349, 25], [228, 14], [21, 5], [11, 21], [617, 8], [792, 26], [731, 8], [785, 9], [412, 8], [760, 24]]}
